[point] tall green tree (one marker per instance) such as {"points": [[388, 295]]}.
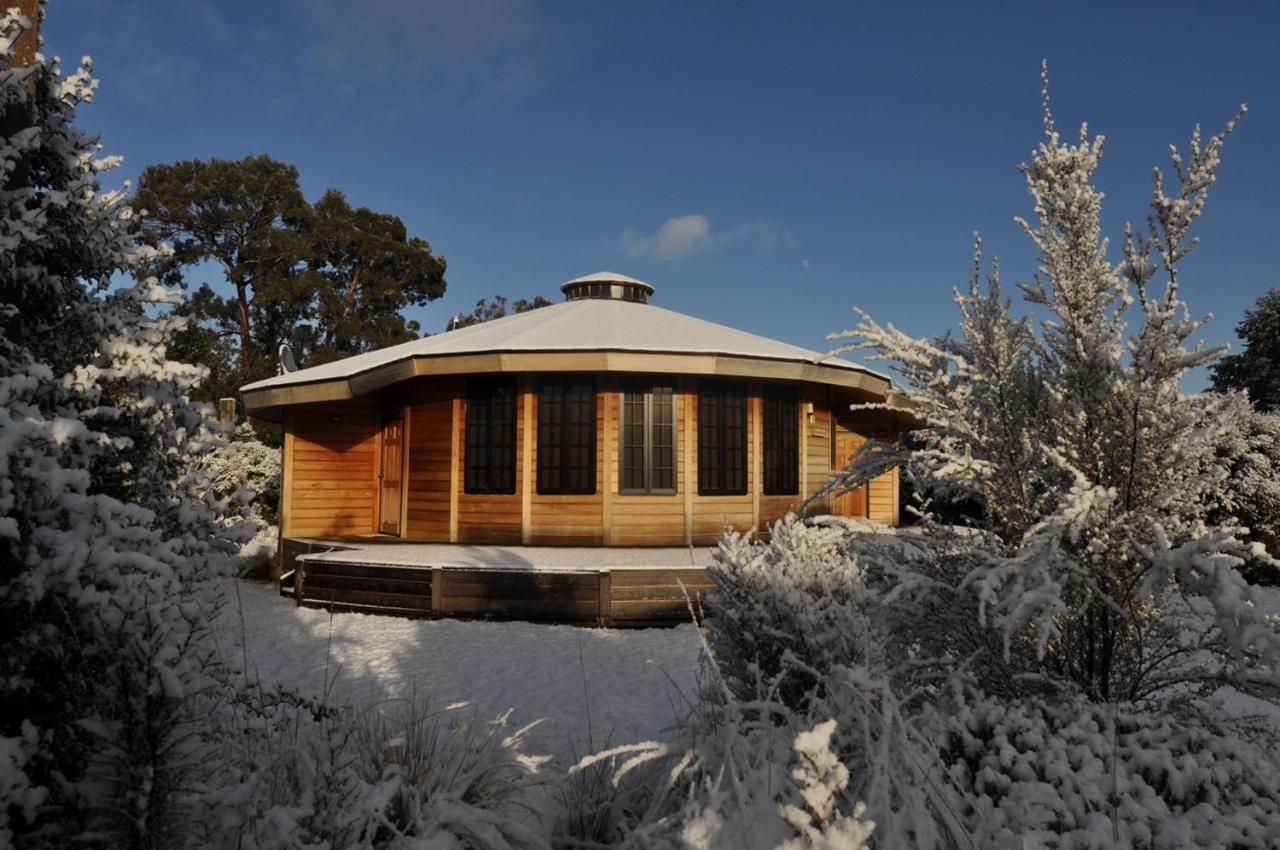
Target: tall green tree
{"points": [[329, 279], [1257, 367], [362, 269]]}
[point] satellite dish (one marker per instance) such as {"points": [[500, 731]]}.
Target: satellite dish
{"points": [[287, 363]]}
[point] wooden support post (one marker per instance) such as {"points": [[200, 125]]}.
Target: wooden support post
{"points": [[804, 442], [608, 453], [437, 592], [606, 598], [406, 441], [526, 459], [455, 453], [690, 401], [755, 414]]}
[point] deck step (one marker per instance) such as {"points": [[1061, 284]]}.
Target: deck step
{"points": [[287, 584]]}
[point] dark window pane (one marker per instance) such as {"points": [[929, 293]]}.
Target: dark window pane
{"points": [[648, 439], [722, 439], [490, 442], [781, 443], [566, 436]]}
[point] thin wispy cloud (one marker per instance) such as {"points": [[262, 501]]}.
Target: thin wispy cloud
{"points": [[686, 235], [481, 51]]}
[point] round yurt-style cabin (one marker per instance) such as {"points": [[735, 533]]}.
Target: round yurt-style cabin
{"points": [[600, 421]]}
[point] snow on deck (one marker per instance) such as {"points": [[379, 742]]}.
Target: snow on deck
{"points": [[514, 558], [625, 685]]}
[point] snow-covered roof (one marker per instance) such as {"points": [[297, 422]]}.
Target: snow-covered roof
{"points": [[573, 326]]}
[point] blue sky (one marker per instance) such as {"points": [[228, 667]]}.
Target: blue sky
{"points": [[763, 165]]}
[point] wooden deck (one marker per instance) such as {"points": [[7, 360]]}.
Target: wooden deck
{"points": [[586, 586]]}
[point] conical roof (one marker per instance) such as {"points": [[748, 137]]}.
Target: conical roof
{"points": [[573, 326]]}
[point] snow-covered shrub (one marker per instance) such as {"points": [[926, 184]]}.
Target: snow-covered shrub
{"points": [[1072, 773], [298, 773], [1251, 497], [741, 780], [590, 808], [1058, 671], [246, 471], [800, 597], [278, 775], [1099, 477], [109, 541], [434, 774]]}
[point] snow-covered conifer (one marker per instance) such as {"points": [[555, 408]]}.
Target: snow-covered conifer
{"points": [[109, 537]]}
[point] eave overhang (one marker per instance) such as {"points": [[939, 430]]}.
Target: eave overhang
{"points": [[267, 402]]}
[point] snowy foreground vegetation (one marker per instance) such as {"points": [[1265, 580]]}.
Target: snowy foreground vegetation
{"points": [[1080, 663]]}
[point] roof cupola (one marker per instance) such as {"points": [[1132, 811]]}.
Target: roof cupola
{"points": [[609, 286]]}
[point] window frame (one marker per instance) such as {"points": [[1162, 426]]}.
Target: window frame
{"points": [[566, 425], [645, 389], [720, 392], [499, 479], [785, 404]]}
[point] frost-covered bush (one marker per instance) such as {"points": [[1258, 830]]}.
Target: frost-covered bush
{"points": [[1072, 773], [748, 776], [1251, 497], [1107, 562], [246, 471], [298, 773], [109, 540], [1067, 670]]}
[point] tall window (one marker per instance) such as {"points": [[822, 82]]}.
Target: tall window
{"points": [[648, 439], [567, 436], [781, 443], [722, 439], [491, 437]]}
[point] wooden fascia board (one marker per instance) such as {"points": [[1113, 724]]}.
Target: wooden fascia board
{"points": [[342, 389]]}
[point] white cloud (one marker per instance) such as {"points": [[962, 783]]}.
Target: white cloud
{"points": [[683, 236], [804, 264]]}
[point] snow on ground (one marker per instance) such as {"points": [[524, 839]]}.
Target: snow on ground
{"points": [[627, 685]]}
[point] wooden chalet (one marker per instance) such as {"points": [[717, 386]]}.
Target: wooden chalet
{"points": [[602, 421]]}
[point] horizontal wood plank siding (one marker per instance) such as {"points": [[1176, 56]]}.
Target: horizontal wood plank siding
{"points": [[332, 470], [332, 460], [882, 491], [818, 447], [430, 442]]}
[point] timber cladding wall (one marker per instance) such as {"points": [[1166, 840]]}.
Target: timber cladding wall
{"points": [[431, 452], [817, 445], [331, 455], [882, 491]]}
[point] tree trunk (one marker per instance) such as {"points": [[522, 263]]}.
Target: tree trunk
{"points": [[242, 305]]}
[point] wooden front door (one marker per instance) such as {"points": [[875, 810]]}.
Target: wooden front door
{"points": [[390, 475], [851, 502]]}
